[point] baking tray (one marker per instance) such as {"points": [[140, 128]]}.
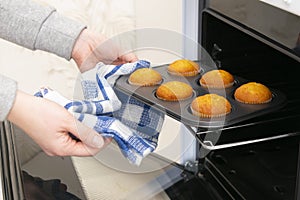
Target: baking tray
{"points": [[180, 110]]}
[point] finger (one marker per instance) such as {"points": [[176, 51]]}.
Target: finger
{"points": [[118, 62], [130, 57], [87, 135], [81, 149], [74, 148]]}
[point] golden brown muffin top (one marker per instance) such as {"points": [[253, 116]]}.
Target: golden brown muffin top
{"points": [[184, 67], [253, 93], [217, 79], [174, 91], [210, 105], [145, 77]]}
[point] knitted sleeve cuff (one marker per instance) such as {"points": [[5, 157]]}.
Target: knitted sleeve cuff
{"points": [[58, 35]]}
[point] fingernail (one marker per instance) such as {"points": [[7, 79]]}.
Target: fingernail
{"points": [[98, 141]]}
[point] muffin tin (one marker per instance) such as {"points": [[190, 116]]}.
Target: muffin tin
{"points": [[180, 110]]}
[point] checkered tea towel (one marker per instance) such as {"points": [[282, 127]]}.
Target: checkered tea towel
{"points": [[134, 125]]}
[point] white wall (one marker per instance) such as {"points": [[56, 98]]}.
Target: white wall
{"points": [[165, 19]]}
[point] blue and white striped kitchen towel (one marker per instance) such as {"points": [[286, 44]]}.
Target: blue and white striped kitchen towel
{"points": [[134, 125]]}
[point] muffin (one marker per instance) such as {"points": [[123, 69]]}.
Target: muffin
{"points": [[174, 91], [217, 79], [183, 67], [144, 77], [210, 105], [253, 93]]}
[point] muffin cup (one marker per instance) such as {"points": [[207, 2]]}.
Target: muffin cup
{"points": [[145, 84], [253, 102], [196, 113], [217, 87], [193, 73], [173, 99]]}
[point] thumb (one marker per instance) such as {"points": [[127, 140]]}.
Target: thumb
{"points": [[87, 135]]}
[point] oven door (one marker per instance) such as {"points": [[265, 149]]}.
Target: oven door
{"points": [[10, 176], [28, 173]]}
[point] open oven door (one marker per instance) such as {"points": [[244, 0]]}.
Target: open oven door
{"points": [[10, 176]]}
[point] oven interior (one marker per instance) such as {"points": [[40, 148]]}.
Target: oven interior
{"points": [[267, 168]]}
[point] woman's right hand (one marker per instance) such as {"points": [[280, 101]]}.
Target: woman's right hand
{"points": [[50, 125]]}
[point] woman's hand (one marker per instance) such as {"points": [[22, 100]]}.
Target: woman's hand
{"points": [[90, 49], [49, 125]]}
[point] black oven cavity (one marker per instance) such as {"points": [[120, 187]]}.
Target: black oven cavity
{"points": [[257, 158]]}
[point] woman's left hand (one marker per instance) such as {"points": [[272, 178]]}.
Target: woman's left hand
{"points": [[91, 48]]}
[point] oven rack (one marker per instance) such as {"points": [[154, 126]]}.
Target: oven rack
{"points": [[211, 145], [280, 124]]}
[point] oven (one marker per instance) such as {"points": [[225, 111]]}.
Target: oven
{"points": [[255, 158]]}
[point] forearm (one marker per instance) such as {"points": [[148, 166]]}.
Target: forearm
{"points": [[34, 26], [8, 89]]}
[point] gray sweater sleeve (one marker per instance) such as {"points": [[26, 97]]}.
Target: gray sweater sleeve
{"points": [[8, 89], [35, 26]]}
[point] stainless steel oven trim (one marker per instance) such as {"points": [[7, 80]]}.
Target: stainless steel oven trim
{"points": [[10, 176], [191, 22]]}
